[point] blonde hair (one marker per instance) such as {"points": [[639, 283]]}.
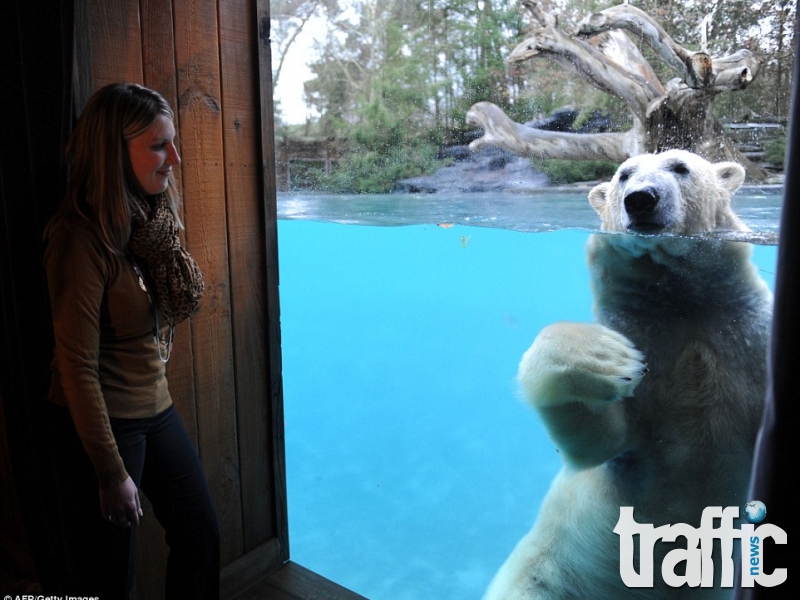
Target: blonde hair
{"points": [[101, 185]]}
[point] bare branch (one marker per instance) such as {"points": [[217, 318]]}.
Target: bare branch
{"points": [[500, 130], [694, 67], [735, 72], [546, 18], [617, 47], [585, 58], [304, 18]]}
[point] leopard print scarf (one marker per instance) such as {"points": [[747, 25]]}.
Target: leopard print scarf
{"points": [[177, 279]]}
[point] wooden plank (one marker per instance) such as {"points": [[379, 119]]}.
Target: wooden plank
{"points": [[250, 569], [242, 136], [293, 582], [272, 297], [115, 41], [199, 97], [158, 50]]}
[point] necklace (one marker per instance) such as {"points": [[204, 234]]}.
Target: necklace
{"points": [[163, 343]]}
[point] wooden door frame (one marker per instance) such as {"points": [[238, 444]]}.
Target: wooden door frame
{"points": [[40, 52]]}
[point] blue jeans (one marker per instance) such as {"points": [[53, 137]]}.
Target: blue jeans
{"points": [[162, 461]]}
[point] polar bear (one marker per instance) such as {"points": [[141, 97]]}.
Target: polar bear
{"points": [[658, 403]]}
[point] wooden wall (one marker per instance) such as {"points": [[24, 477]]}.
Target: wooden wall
{"points": [[203, 56], [210, 59]]}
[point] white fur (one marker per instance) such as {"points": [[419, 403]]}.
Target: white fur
{"points": [[656, 405]]}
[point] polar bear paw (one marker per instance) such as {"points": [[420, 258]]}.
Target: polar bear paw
{"points": [[580, 362]]}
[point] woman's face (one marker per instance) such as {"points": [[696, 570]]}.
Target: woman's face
{"points": [[153, 154]]}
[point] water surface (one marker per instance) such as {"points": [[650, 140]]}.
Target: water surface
{"points": [[549, 210]]}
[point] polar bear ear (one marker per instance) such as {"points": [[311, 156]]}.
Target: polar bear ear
{"points": [[730, 175], [598, 196]]}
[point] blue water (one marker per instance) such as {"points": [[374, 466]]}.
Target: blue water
{"points": [[413, 467]]}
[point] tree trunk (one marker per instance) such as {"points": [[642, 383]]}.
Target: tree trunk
{"points": [[675, 115]]}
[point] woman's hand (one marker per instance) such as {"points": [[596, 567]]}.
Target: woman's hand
{"points": [[120, 504]]}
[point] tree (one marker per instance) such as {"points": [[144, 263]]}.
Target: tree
{"points": [[373, 85], [439, 55], [677, 114], [394, 77], [288, 19]]}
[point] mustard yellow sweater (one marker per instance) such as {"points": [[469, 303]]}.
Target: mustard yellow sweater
{"points": [[105, 361]]}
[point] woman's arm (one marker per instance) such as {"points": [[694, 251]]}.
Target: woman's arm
{"points": [[77, 274]]}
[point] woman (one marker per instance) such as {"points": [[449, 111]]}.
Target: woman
{"points": [[119, 281]]}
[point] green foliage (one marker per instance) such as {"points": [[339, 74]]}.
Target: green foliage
{"points": [[562, 172], [308, 175], [775, 151], [384, 148], [376, 172]]}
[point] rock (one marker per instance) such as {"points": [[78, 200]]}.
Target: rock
{"points": [[560, 119], [487, 170], [563, 119]]}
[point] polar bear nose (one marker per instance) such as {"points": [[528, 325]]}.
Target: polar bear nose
{"points": [[641, 202]]}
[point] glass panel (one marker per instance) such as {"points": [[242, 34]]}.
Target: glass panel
{"points": [[414, 464]]}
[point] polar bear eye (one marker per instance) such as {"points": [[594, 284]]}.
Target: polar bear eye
{"points": [[624, 175], [680, 168]]}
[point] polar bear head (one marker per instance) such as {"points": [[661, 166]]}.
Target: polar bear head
{"points": [[674, 192]]}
